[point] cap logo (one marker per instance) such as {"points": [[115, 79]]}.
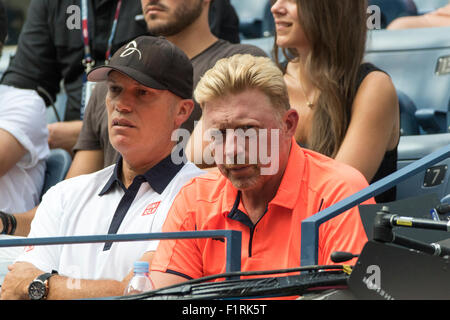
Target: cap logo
{"points": [[130, 49]]}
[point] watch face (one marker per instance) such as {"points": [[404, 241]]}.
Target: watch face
{"points": [[36, 290]]}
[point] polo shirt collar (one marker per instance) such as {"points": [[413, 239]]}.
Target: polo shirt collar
{"points": [[158, 177], [289, 188]]}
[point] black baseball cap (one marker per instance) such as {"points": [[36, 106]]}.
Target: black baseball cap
{"points": [[153, 62]]}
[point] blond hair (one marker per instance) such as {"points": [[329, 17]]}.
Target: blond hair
{"points": [[241, 72]]}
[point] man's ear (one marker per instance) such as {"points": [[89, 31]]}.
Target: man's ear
{"points": [[183, 111], [290, 121]]}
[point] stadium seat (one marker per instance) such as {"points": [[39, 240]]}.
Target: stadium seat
{"points": [[432, 121], [448, 116], [392, 9], [6, 55], [418, 62], [408, 121], [250, 17], [57, 111], [432, 180], [255, 18], [268, 23], [58, 164], [425, 6]]}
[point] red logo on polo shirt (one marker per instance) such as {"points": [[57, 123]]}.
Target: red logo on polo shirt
{"points": [[151, 208], [28, 248]]}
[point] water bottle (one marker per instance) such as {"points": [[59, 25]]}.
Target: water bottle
{"points": [[140, 282]]}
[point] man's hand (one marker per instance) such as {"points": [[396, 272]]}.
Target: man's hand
{"points": [[64, 135], [16, 283]]}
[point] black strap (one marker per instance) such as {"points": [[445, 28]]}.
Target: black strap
{"points": [[5, 222], [45, 276], [13, 222], [9, 223], [123, 207]]}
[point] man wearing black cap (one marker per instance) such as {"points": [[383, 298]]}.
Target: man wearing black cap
{"points": [[52, 48], [149, 95], [184, 23], [187, 25]]}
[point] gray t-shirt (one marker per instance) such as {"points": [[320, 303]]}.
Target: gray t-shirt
{"points": [[94, 133]]}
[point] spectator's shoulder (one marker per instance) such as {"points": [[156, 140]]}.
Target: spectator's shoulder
{"points": [[332, 173], [11, 92], [206, 187], [22, 103], [81, 184], [240, 48]]}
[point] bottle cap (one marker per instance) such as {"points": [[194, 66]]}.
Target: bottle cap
{"points": [[141, 266]]}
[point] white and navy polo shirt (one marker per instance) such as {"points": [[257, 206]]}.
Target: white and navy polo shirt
{"points": [[98, 204]]}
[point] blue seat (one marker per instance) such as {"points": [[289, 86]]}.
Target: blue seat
{"points": [[57, 111], [393, 9], [255, 18], [448, 116], [432, 121], [434, 179], [412, 58], [268, 23], [425, 6], [58, 164], [408, 121]]}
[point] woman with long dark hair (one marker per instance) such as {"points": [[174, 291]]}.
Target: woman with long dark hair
{"points": [[348, 109]]}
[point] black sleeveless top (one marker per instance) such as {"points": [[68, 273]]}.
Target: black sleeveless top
{"points": [[389, 163]]}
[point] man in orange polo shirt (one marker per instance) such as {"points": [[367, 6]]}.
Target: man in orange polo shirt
{"points": [[265, 196]]}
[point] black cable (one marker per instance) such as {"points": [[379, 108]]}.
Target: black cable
{"points": [[185, 289], [52, 103], [255, 287], [261, 273]]}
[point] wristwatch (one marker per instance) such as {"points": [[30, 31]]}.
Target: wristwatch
{"points": [[38, 288]]}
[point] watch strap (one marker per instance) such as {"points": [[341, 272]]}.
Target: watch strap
{"points": [[44, 278]]}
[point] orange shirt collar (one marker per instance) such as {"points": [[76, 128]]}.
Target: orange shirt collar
{"points": [[289, 188]]}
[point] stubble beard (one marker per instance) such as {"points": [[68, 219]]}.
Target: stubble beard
{"points": [[244, 182], [183, 16]]}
